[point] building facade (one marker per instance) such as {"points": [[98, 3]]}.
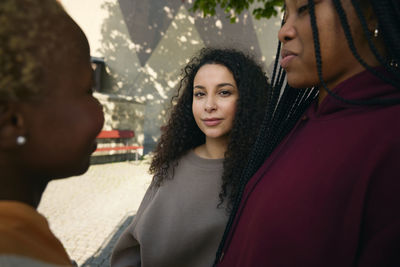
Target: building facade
{"points": [[146, 43]]}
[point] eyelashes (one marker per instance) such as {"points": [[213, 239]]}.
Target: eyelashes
{"points": [[222, 93], [198, 94], [225, 93], [302, 9]]}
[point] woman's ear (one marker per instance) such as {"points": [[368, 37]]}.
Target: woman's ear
{"points": [[371, 19], [12, 126]]}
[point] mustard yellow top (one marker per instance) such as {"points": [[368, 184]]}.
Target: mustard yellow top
{"points": [[25, 232]]}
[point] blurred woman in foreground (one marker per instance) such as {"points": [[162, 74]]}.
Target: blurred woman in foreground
{"points": [[48, 122]]}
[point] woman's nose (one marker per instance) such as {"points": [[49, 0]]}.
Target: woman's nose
{"points": [[210, 105], [287, 32]]}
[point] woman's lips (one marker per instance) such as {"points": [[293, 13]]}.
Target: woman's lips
{"points": [[212, 122], [287, 56], [286, 60]]}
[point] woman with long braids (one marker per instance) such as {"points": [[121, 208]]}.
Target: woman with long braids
{"points": [[322, 186], [197, 163]]}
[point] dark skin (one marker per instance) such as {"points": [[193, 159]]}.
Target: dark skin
{"points": [[297, 38], [12, 184], [60, 124]]}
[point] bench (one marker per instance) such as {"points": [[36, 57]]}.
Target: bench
{"points": [[119, 134]]}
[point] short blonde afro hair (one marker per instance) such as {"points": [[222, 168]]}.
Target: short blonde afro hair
{"points": [[27, 36]]}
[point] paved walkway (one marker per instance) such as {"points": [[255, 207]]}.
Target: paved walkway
{"points": [[88, 213]]}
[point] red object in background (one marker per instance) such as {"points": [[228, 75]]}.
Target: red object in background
{"points": [[116, 134]]}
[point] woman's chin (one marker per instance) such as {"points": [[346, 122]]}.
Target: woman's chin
{"points": [[296, 84], [77, 170], [300, 82]]}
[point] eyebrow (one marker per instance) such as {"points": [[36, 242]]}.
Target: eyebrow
{"points": [[218, 85]]}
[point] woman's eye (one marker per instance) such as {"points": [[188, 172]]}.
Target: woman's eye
{"points": [[198, 94], [225, 93], [302, 9]]}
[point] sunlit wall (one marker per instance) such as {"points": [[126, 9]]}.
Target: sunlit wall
{"points": [[146, 43]]}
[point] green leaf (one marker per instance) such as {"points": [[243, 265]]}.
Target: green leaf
{"points": [[208, 7]]}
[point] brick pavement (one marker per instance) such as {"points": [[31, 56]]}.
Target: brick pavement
{"points": [[88, 212]]}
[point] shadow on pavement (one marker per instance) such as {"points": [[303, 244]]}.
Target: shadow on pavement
{"points": [[101, 258]]}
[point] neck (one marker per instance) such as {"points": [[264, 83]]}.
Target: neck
{"points": [[321, 95], [17, 188], [213, 148]]}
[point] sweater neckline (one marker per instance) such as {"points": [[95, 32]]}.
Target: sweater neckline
{"points": [[203, 162]]}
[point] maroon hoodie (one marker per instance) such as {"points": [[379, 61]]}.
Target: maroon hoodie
{"points": [[329, 195]]}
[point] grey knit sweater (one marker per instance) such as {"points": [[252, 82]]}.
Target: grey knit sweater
{"points": [[178, 223]]}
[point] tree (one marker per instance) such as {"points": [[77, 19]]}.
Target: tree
{"points": [[267, 8]]}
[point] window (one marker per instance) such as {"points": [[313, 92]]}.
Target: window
{"points": [[98, 68]]}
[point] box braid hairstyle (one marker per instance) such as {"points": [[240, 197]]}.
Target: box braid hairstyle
{"points": [[182, 133], [387, 13], [283, 111]]}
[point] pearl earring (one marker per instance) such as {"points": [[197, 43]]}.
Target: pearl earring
{"points": [[21, 140], [376, 33], [393, 64]]}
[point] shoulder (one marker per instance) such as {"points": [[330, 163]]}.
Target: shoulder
{"points": [[380, 123], [20, 261], [23, 231]]}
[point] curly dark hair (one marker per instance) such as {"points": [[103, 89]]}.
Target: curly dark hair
{"points": [[182, 133]]}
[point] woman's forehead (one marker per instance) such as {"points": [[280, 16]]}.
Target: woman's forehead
{"points": [[294, 2]]}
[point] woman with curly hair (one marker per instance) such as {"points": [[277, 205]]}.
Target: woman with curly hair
{"points": [[197, 163]]}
